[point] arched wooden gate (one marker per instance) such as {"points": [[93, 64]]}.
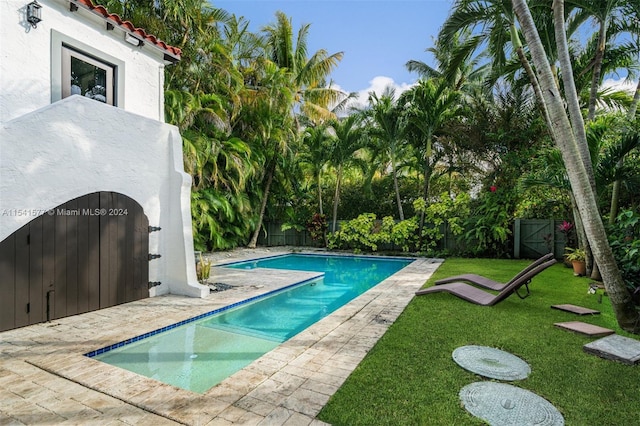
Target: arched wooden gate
{"points": [[86, 254]]}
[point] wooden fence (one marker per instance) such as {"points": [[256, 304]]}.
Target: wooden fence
{"points": [[531, 238]]}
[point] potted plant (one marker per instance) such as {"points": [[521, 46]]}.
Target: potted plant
{"points": [[577, 258], [203, 269], [567, 229]]}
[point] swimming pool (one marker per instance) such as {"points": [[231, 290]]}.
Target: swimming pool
{"points": [[197, 354]]}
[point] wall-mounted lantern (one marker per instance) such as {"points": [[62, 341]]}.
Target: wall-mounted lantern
{"points": [[34, 14]]}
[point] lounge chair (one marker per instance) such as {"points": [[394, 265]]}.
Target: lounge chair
{"points": [[480, 297], [485, 282]]}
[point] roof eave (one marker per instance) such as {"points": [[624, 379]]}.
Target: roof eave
{"points": [[170, 54]]}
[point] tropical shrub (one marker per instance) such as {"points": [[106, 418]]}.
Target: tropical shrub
{"points": [[317, 226], [367, 233], [448, 211], [624, 238], [489, 229], [378, 197], [220, 220], [356, 234], [543, 202], [402, 234]]}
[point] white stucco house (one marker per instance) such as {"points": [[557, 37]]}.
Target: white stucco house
{"points": [[94, 201]]}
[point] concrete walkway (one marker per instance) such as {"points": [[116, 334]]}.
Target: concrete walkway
{"points": [[45, 379]]}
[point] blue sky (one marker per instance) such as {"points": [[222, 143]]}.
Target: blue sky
{"points": [[377, 36]]}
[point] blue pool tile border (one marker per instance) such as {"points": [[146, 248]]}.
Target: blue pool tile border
{"points": [[360, 256], [257, 259], [105, 349]]}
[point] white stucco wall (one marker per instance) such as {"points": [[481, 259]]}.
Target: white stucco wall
{"points": [[30, 70], [79, 146]]}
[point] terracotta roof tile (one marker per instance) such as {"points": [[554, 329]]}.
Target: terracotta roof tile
{"points": [[128, 26]]}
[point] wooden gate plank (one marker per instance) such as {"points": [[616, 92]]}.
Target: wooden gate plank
{"points": [[121, 235], [59, 297], [48, 262], [93, 260], [8, 283], [141, 253], [71, 214], [127, 207], [82, 223], [108, 254], [104, 256], [22, 276], [138, 253], [37, 296], [114, 248]]}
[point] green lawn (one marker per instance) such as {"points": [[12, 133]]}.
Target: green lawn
{"points": [[409, 377]]}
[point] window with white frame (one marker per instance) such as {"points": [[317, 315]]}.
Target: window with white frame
{"points": [[87, 76]]}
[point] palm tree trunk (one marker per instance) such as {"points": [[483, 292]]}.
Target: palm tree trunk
{"points": [[336, 199], [581, 236], [620, 298], [265, 196], [534, 83], [515, 40], [634, 104], [575, 112], [425, 194], [615, 197], [597, 71], [318, 183], [321, 211], [396, 187]]}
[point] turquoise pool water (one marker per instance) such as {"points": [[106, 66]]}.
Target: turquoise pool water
{"points": [[202, 352]]}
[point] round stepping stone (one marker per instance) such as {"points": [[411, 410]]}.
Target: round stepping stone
{"points": [[503, 404], [491, 362]]}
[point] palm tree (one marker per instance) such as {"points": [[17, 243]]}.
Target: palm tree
{"points": [[497, 33], [349, 138], [220, 165], [571, 93], [268, 118], [387, 133], [307, 74], [454, 62], [611, 168], [631, 25], [565, 138], [428, 105], [604, 12], [316, 153], [549, 170], [286, 79]]}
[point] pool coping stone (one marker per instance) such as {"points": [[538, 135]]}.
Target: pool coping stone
{"points": [[42, 367]]}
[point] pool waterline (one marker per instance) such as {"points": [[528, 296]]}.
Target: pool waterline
{"points": [[254, 342]]}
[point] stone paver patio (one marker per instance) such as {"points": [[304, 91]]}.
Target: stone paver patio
{"points": [[45, 379]]}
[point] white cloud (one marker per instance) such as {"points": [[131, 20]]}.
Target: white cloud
{"points": [[377, 85], [620, 84]]}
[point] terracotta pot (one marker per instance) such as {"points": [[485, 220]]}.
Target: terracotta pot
{"points": [[579, 267]]}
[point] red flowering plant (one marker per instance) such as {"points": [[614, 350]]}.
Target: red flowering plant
{"points": [[568, 230]]}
